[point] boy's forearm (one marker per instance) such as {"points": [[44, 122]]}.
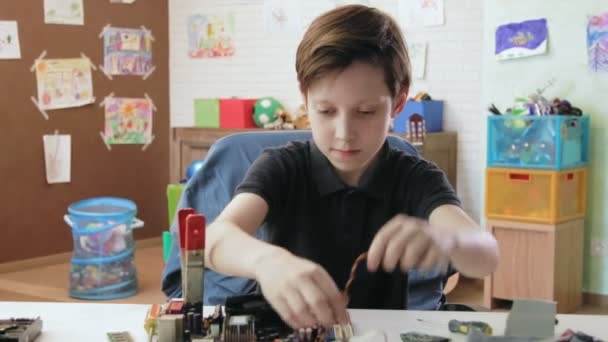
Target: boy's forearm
{"points": [[475, 254], [231, 251]]}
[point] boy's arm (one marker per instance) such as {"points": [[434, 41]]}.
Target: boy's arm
{"points": [[473, 251], [301, 292], [448, 236], [232, 248]]}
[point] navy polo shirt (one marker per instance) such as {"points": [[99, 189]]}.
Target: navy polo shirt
{"points": [[315, 215]]}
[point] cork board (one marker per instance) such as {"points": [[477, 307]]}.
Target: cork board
{"points": [[31, 211]]}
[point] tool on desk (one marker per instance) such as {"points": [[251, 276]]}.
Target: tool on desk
{"points": [[466, 328]]}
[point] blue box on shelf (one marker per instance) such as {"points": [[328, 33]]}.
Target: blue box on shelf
{"points": [[552, 142], [430, 111]]}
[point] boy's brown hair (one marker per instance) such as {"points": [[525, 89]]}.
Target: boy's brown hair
{"points": [[352, 33]]}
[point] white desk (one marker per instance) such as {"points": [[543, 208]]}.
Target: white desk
{"points": [[78, 322]]}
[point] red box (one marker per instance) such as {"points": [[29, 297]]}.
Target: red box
{"points": [[237, 113]]}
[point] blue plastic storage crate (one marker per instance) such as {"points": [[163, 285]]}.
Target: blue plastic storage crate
{"points": [[431, 112], [552, 142]]}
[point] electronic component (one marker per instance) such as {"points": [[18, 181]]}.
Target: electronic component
{"points": [[120, 337], [20, 329], [466, 328], [239, 329], [418, 337]]}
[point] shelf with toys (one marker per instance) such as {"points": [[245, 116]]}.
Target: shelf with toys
{"points": [[536, 183]]}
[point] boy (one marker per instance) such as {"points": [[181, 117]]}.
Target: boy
{"points": [[346, 192]]}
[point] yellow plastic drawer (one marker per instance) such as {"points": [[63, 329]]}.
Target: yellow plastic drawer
{"points": [[535, 196]]}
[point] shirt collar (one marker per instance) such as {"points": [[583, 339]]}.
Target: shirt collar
{"points": [[373, 181]]}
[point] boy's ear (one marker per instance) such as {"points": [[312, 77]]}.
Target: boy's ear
{"points": [[400, 101]]}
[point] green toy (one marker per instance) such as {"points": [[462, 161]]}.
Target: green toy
{"points": [[265, 111]]}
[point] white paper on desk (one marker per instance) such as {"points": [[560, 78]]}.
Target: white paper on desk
{"points": [[57, 157]]}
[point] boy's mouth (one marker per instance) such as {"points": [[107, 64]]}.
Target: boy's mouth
{"points": [[345, 152]]}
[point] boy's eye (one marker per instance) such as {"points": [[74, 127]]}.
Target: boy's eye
{"points": [[324, 111], [366, 112]]}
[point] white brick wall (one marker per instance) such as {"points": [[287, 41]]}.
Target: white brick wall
{"points": [[264, 66]]}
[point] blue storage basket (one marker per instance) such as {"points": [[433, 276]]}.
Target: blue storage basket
{"points": [[552, 142], [102, 263]]}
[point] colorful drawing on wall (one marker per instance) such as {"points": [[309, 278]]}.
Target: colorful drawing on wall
{"points": [[9, 40], [211, 35], [524, 39], [416, 13], [128, 120], [66, 12], [127, 51], [597, 42], [282, 16], [417, 53], [57, 157], [64, 83]]}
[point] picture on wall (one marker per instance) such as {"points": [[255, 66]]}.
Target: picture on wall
{"points": [[417, 54], [523, 39], [127, 51], [418, 13], [128, 120], [57, 157], [211, 35], [66, 12], [64, 83], [282, 16], [597, 43], [9, 40]]}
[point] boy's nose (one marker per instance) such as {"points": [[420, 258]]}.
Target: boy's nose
{"points": [[343, 128]]}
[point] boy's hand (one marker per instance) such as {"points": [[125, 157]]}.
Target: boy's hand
{"points": [[300, 291], [410, 243]]}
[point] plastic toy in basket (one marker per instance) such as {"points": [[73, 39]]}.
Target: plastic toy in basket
{"points": [[102, 262]]}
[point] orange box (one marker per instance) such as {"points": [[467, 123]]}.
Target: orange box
{"points": [[535, 196]]}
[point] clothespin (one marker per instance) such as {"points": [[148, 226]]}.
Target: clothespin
{"points": [[103, 30], [149, 72], [42, 111], [88, 59], [103, 103], [148, 32], [42, 55], [148, 143], [105, 142], [151, 102]]}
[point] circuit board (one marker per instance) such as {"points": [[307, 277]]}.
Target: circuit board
{"points": [[20, 329]]}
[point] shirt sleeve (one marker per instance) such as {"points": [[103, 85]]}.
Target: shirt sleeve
{"points": [[267, 177], [427, 188]]}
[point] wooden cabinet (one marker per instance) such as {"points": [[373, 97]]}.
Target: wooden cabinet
{"points": [[537, 261], [191, 143]]}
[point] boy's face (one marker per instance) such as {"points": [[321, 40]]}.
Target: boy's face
{"points": [[350, 112]]}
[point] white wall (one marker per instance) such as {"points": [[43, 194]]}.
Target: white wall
{"points": [[566, 60], [264, 66]]}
